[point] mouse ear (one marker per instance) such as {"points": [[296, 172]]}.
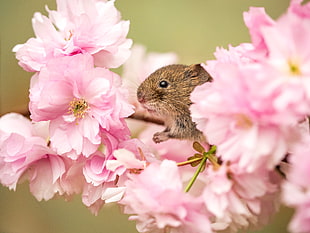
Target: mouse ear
{"points": [[196, 70]]}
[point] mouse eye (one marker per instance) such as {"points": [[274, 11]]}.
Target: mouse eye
{"points": [[163, 84]]}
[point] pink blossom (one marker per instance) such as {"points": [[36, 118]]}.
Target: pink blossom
{"points": [[105, 174], [19, 148], [236, 55], [255, 120], [94, 197], [26, 156], [297, 8], [273, 37], [157, 201], [100, 168], [255, 20], [73, 180], [269, 96], [81, 26], [237, 198], [54, 175], [125, 159], [296, 189], [131, 156], [81, 102], [44, 176], [91, 197], [244, 119], [95, 170], [287, 59], [291, 61], [253, 109]]}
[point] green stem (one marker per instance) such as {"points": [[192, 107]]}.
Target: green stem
{"points": [[206, 155], [212, 158], [190, 184], [212, 150]]}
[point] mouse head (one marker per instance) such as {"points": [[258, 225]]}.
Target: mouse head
{"points": [[167, 91]]}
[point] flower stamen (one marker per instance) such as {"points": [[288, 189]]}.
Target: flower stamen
{"points": [[243, 121], [294, 68], [78, 107], [70, 35]]}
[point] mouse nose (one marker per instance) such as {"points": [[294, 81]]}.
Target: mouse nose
{"points": [[140, 97]]}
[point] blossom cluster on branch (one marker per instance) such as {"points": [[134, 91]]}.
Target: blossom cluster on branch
{"points": [[254, 115]]}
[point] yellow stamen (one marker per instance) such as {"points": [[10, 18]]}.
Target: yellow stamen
{"points": [[70, 35], [294, 68], [243, 121], [78, 107]]}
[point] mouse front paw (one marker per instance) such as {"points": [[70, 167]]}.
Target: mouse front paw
{"points": [[160, 137]]}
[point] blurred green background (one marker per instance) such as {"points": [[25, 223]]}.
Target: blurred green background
{"points": [[191, 28]]}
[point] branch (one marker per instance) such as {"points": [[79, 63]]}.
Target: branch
{"points": [[146, 118], [23, 110]]}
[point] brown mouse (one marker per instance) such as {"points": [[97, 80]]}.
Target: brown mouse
{"points": [[166, 94]]}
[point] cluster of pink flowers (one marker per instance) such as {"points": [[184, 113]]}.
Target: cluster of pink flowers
{"points": [[93, 27], [78, 106], [256, 109], [254, 115]]}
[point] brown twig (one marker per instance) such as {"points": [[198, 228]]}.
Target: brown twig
{"points": [[142, 117], [23, 110]]}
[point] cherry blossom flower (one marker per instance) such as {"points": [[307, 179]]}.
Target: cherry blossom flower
{"points": [[81, 102], [44, 176], [133, 155], [237, 55], [100, 168], [17, 144], [25, 156], [292, 28], [255, 19], [302, 10], [279, 72], [95, 170], [81, 26], [238, 199], [94, 197], [246, 125], [106, 175], [157, 201]]}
